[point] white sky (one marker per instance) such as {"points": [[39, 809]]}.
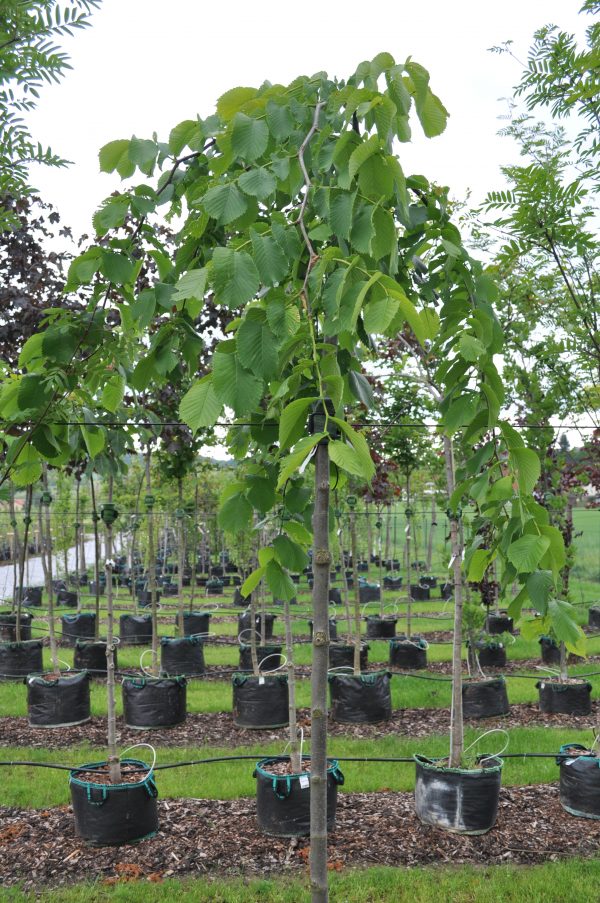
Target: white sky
{"points": [[145, 65]]}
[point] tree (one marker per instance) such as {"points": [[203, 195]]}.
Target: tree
{"points": [[30, 56]]}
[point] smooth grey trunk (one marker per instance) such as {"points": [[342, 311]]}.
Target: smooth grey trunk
{"points": [[320, 664], [381, 604], [407, 552], [431, 535], [114, 766], [77, 532], [194, 532], [180, 558], [263, 619], [27, 523], [16, 548], [291, 671], [151, 566], [369, 539], [388, 534], [356, 587], [456, 722], [46, 533], [96, 557], [345, 598]]}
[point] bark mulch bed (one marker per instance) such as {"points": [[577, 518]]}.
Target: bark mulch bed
{"points": [[217, 728], [213, 838]]}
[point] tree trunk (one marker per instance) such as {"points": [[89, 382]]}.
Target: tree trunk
{"points": [[456, 718], [27, 523], [409, 521], [46, 532], [96, 557], [356, 587], [431, 535], [114, 766], [320, 662], [77, 531], [369, 539], [151, 565], [180, 557], [16, 549], [292, 719]]}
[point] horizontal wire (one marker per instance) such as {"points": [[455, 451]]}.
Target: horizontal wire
{"points": [[369, 424]]}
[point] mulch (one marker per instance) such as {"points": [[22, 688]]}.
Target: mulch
{"points": [[217, 728], [214, 838]]}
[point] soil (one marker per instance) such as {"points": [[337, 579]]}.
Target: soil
{"points": [[285, 768], [217, 728], [101, 776], [213, 838]]}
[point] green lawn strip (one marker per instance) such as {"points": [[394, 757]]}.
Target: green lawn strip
{"points": [[40, 788], [552, 882]]}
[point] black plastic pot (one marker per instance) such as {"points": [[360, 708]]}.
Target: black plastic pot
{"points": [[80, 626], [380, 628], [446, 591], [8, 627], [392, 582], [67, 598], [498, 624], [332, 629], [33, 596], [361, 698], [419, 593], [150, 702], [182, 655], [194, 622], [550, 651], [92, 657], [557, 698], [342, 656], [429, 581], [144, 598], [58, 701], [283, 801], [408, 655], [579, 781], [262, 652], [114, 814], [459, 800], [238, 599], [594, 616], [335, 596], [135, 630], [245, 623], [369, 592], [260, 702], [484, 698], [491, 655], [169, 589], [20, 659]]}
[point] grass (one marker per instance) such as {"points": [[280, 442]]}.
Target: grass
{"points": [[552, 882], [28, 786]]}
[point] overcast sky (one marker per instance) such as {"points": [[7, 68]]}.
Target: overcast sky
{"points": [[145, 65]]}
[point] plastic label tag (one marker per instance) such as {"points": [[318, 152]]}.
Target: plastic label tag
{"points": [[304, 782], [261, 681]]}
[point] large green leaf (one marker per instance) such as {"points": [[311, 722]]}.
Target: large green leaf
{"points": [[470, 348], [94, 439], [298, 532], [432, 114], [566, 628], [235, 386], [461, 412], [249, 137], [225, 203], [251, 582], [271, 262], [379, 313], [191, 285], [341, 207], [344, 455], [257, 346], [200, 407], [528, 468], [297, 458], [115, 156], [359, 155], [556, 556], [289, 554], [539, 586], [259, 183], [361, 388], [235, 277], [280, 583], [233, 100], [292, 423], [260, 492], [117, 268], [235, 514], [113, 392], [526, 553], [361, 447], [478, 565]]}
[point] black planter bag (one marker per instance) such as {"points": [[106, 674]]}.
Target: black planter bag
{"points": [[8, 627], [58, 702], [565, 699], [342, 656], [550, 651], [491, 656], [335, 596], [92, 657], [144, 598], [446, 591], [594, 617], [182, 655], [462, 801], [238, 599], [579, 782], [392, 582], [484, 698], [194, 622], [419, 593], [499, 624], [114, 814], [369, 593], [283, 801], [333, 634], [245, 623], [260, 702], [20, 659], [408, 655], [81, 626], [360, 699], [135, 630], [380, 628], [150, 702], [33, 596], [262, 652], [429, 581]]}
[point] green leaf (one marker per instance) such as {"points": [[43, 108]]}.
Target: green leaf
{"points": [[470, 348], [539, 586], [117, 268], [298, 456], [257, 347], [432, 114], [235, 514], [260, 492], [566, 628], [379, 313], [478, 565], [280, 583], [249, 137], [361, 388], [385, 238], [526, 552], [266, 554], [501, 490], [251, 582], [341, 207], [282, 318], [528, 468], [234, 385], [363, 229], [236, 278], [113, 392], [27, 466], [279, 121], [298, 532], [182, 134], [191, 285], [290, 554], [270, 260], [233, 100], [344, 455], [359, 155], [94, 439], [556, 556], [431, 322], [516, 605], [292, 423], [461, 412], [259, 183], [360, 446], [200, 407], [407, 309], [225, 203], [115, 156]]}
